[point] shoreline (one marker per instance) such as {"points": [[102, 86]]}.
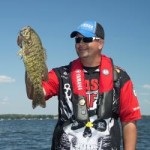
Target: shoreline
{"points": [[37, 117], [26, 116]]}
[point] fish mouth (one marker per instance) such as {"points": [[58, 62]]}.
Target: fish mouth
{"points": [[19, 40], [24, 36]]}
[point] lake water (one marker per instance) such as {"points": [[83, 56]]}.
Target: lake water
{"points": [[37, 134]]}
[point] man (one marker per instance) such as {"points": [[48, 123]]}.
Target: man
{"points": [[93, 95]]}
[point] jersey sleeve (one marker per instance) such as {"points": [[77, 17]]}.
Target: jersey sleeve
{"points": [[129, 105], [51, 86]]}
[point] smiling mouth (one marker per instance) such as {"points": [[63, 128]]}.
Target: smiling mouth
{"points": [[82, 48]]}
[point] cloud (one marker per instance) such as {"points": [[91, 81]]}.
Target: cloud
{"points": [[6, 79], [146, 86]]}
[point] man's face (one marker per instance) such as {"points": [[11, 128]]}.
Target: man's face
{"points": [[86, 48]]}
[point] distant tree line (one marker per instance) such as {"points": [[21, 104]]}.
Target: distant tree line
{"points": [[24, 116], [29, 116]]}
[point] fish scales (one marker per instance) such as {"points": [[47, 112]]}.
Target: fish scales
{"points": [[34, 58]]}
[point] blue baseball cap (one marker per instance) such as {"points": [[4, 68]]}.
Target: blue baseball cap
{"points": [[89, 28]]}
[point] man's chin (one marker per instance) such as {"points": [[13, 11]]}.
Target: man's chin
{"points": [[83, 55]]}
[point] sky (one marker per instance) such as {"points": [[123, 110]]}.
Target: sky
{"points": [[127, 42]]}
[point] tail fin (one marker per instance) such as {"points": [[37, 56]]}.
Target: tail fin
{"points": [[38, 100]]}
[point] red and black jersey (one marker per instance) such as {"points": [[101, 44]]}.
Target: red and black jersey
{"points": [[129, 109], [105, 133]]}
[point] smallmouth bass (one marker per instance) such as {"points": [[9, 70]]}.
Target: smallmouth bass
{"points": [[34, 58]]}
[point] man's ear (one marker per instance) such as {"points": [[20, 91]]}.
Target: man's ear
{"points": [[101, 43]]}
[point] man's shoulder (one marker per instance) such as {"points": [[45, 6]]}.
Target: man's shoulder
{"points": [[122, 75], [118, 68], [120, 71], [62, 69]]}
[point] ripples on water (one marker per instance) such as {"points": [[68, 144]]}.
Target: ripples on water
{"points": [[26, 134], [37, 134], [143, 142]]}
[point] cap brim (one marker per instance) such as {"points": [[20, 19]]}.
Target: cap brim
{"points": [[82, 32]]}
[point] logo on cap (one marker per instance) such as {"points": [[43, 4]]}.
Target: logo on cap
{"points": [[86, 25]]}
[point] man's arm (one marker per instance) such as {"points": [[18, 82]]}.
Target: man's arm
{"points": [[129, 130]]}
